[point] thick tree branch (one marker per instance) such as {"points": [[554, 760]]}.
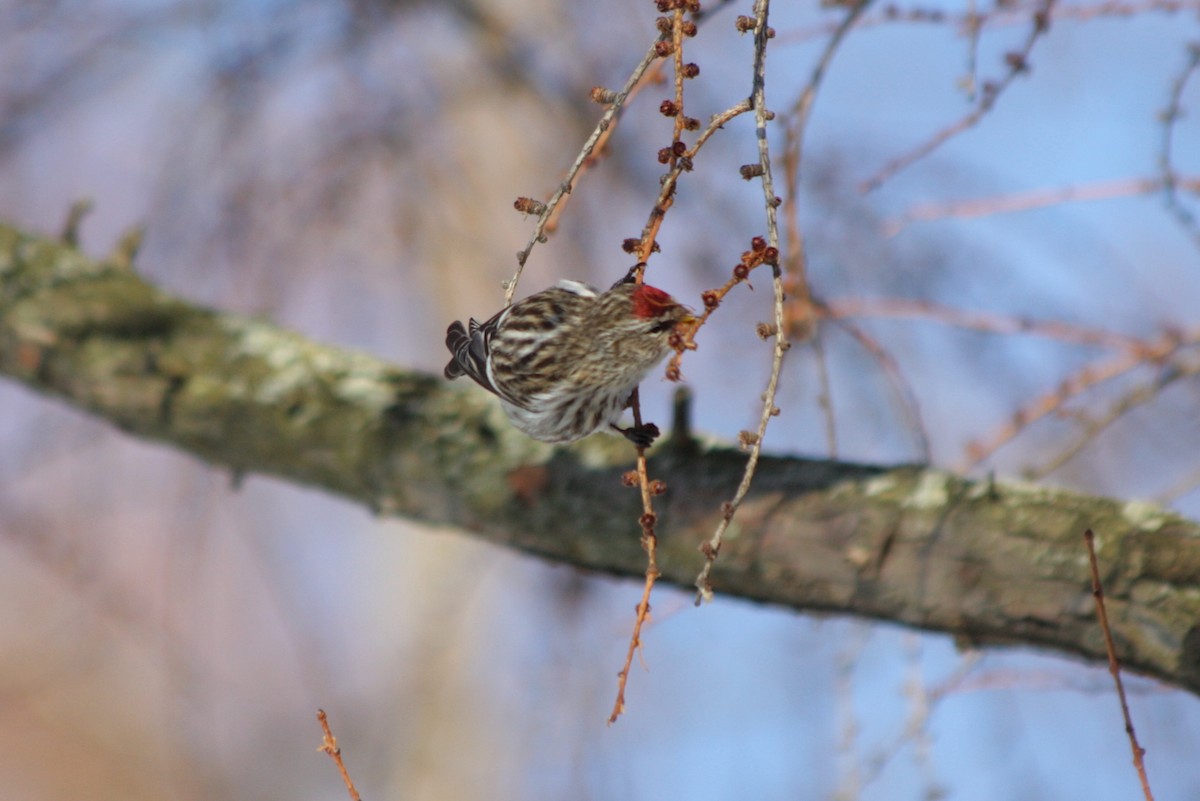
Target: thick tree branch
{"points": [[987, 562]]}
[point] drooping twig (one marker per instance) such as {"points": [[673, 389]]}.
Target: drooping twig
{"points": [[712, 546], [647, 522], [329, 746], [1114, 667], [679, 27]]}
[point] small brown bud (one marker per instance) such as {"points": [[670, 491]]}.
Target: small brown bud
{"points": [[629, 478], [741, 271], [747, 439], [776, 201], [770, 32], [749, 171], [631, 244], [602, 96], [647, 521], [727, 510], [527, 205], [673, 372], [664, 6], [668, 108], [664, 156], [744, 23], [771, 256], [710, 299], [678, 148], [758, 244], [663, 24], [685, 163], [691, 123], [691, 70], [1016, 62], [658, 487], [663, 48], [765, 330], [688, 27]]}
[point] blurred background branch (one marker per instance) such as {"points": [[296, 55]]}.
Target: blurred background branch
{"points": [[983, 561]]}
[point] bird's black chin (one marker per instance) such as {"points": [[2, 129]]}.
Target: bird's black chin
{"points": [[660, 327]]}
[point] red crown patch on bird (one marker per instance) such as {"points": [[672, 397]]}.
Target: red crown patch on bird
{"points": [[650, 302]]}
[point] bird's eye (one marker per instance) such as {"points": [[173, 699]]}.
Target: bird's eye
{"points": [[659, 327]]}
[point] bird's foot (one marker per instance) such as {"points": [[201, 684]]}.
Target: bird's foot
{"points": [[641, 436]]}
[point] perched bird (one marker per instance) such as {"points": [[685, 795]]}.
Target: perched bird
{"points": [[564, 361]]}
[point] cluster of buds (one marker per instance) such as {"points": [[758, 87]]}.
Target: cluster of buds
{"points": [[656, 486], [744, 24], [684, 339]]}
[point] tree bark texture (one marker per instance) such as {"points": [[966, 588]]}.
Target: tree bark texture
{"points": [[985, 561]]}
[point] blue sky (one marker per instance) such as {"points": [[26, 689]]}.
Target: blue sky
{"points": [[342, 195]]}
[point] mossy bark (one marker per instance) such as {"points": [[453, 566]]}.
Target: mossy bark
{"points": [[985, 561]]}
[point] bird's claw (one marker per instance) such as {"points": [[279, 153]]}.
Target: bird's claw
{"points": [[642, 436]]}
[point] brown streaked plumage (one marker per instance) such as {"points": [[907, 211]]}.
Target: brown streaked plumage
{"points": [[565, 360]]}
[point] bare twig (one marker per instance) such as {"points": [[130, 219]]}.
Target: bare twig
{"points": [[329, 746], [1035, 199], [650, 546], [1114, 667], [988, 322], [972, 27], [606, 120], [648, 518], [1017, 63], [825, 395], [1138, 396], [1084, 379], [1002, 15], [900, 385], [762, 33], [799, 314], [1170, 179], [1131, 352]]}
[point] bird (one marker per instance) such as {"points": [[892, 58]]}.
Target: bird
{"points": [[565, 361]]}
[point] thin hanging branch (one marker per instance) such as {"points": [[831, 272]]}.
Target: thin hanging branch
{"points": [[711, 548]]}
